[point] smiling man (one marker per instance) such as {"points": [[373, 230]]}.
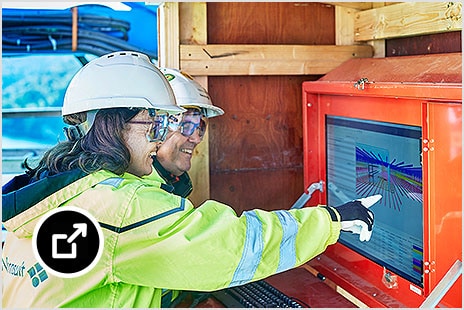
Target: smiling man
{"points": [[173, 158]]}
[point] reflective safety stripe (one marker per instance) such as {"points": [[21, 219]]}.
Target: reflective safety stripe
{"points": [[115, 182], [252, 250], [287, 246]]}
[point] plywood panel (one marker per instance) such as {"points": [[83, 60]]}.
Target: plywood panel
{"points": [[259, 135], [256, 155], [261, 129], [270, 23], [264, 189], [448, 42]]}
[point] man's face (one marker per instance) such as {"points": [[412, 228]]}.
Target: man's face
{"points": [[175, 154]]}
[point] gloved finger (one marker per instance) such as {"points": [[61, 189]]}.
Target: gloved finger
{"points": [[365, 234], [369, 201], [351, 226]]}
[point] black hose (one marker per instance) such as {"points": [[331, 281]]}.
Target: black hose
{"points": [[98, 35], [84, 45], [88, 20]]}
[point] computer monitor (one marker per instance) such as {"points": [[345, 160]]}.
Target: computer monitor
{"points": [[403, 141], [365, 158]]}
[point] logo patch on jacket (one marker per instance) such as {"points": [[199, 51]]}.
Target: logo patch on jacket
{"points": [[16, 270], [36, 272]]}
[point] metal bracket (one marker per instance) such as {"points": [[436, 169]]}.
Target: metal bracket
{"points": [[443, 286], [307, 194], [359, 85]]}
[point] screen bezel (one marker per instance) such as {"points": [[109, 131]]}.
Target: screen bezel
{"points": [[349, 245], [361, 276]]}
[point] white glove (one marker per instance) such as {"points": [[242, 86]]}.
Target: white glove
{"points": [[357, 218]]}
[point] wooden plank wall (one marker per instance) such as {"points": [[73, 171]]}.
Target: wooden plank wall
{"points": [[256, 147], [411, 28], [448, 42]]}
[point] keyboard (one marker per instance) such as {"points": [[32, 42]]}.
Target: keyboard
{"points": [[258, 294]]}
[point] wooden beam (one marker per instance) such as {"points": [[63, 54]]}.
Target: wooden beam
{"points": [[352, 5], [193, 30], [220, 59], [168, 38], [408, 19], [378, 45], [193, 26], [344, 25]]}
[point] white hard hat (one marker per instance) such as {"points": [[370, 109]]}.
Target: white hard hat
{"points": [[120, 79], [189, 92]]}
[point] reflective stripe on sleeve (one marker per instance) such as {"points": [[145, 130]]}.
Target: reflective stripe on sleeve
{"points": [[252, 250], [287, 257]]}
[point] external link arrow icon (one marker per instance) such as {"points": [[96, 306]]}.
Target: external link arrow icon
{"points": [[81, 228], [67, 241]]}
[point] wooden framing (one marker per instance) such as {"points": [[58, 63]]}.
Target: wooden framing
{"points": [[356, 22], [360, 6], [408, 19], [168, 37], [192, 30], [361, 28], [243, 59], [344, 25], [352, 5]]}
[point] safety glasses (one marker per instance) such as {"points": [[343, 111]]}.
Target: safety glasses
{"points": [[158, 127], [188, 122]]}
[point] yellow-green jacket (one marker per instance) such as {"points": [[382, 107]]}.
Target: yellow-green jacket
{"points": [[153, 240]]}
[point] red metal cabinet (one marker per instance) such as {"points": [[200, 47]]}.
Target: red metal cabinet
{"points": [[423, 91]]}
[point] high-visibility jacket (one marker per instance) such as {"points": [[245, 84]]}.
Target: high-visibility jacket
{"points": [[153, 240], [179, 185]]}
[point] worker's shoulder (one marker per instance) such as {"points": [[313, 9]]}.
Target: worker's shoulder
{"points": [[126, 181]]}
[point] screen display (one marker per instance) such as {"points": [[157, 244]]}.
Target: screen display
{"points": [[365, 158]]}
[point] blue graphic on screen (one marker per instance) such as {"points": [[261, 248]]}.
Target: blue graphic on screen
{"points": [[365, 158]]}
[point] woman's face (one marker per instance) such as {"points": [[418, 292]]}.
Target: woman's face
{"points": [[141, 150]]}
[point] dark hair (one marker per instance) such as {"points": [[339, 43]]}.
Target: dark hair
{"points": [[102, 147]]}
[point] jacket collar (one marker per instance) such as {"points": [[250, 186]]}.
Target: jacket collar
{"points": [[23, 207], [22, 193], [178, 185]]}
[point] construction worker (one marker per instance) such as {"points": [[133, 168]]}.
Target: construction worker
{"points": [[118, 105], [173, 158]]}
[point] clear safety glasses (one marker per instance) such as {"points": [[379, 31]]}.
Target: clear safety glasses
{"points": [[158, 127], [188, 122]]}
